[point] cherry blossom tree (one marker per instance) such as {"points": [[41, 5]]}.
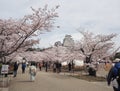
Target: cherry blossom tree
{"points": [[61, 54], [56, 53], [32, 56], [95, 47], [17, 34]]}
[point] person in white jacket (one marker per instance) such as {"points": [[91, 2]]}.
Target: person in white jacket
{"points": [[32, 71]]}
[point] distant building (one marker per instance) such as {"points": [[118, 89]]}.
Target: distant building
{"points": [[58, 43], [68, 41]]}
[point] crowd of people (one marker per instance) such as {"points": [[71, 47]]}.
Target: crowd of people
{"points": [[113, 75], [32, 66], [112, 78]]}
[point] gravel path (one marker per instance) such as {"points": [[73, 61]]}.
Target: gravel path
{"points": [[54, 82]]}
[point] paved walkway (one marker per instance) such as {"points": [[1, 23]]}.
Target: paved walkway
{"points": [[54, 82]]}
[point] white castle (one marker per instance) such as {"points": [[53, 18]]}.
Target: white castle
{"points": [[68, 41]]}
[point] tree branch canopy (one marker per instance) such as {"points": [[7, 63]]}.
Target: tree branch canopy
{"points": [[16, 34], [95, 46]]}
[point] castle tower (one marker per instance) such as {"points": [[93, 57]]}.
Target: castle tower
{"points": [[68, 41]]}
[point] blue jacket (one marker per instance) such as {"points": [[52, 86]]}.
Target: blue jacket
{"points": [[23, 65], [113, 73], [116, 67]]}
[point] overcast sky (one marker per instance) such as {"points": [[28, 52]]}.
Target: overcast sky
{"points": [[97, 16]]}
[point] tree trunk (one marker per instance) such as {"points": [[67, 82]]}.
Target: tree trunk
{"points": [[91, 70]]}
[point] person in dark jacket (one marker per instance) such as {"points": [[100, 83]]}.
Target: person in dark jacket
{"points": [[114, 76], [69, 67], [23, 67], [46, 66], [15, 69]]}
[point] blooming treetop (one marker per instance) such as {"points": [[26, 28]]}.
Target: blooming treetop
{"points": [[56, 53], [16, 34], [61, 53], [95, 47]]}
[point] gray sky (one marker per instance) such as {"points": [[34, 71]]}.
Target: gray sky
{"points": [[97, 16]]}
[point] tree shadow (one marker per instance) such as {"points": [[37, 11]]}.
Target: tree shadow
{"points": [[25, 81]]}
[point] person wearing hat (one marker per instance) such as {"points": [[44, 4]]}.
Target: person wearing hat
{"points": [[114, 76]]}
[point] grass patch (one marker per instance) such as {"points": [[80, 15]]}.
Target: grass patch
{"points": [[90, 78]]}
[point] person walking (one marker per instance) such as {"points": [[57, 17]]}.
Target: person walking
{"points": [[40, 66], [46, 66], [54, 67], [32, 71], [114, 76], [23, 67], [15, 69], [69, 67]]}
